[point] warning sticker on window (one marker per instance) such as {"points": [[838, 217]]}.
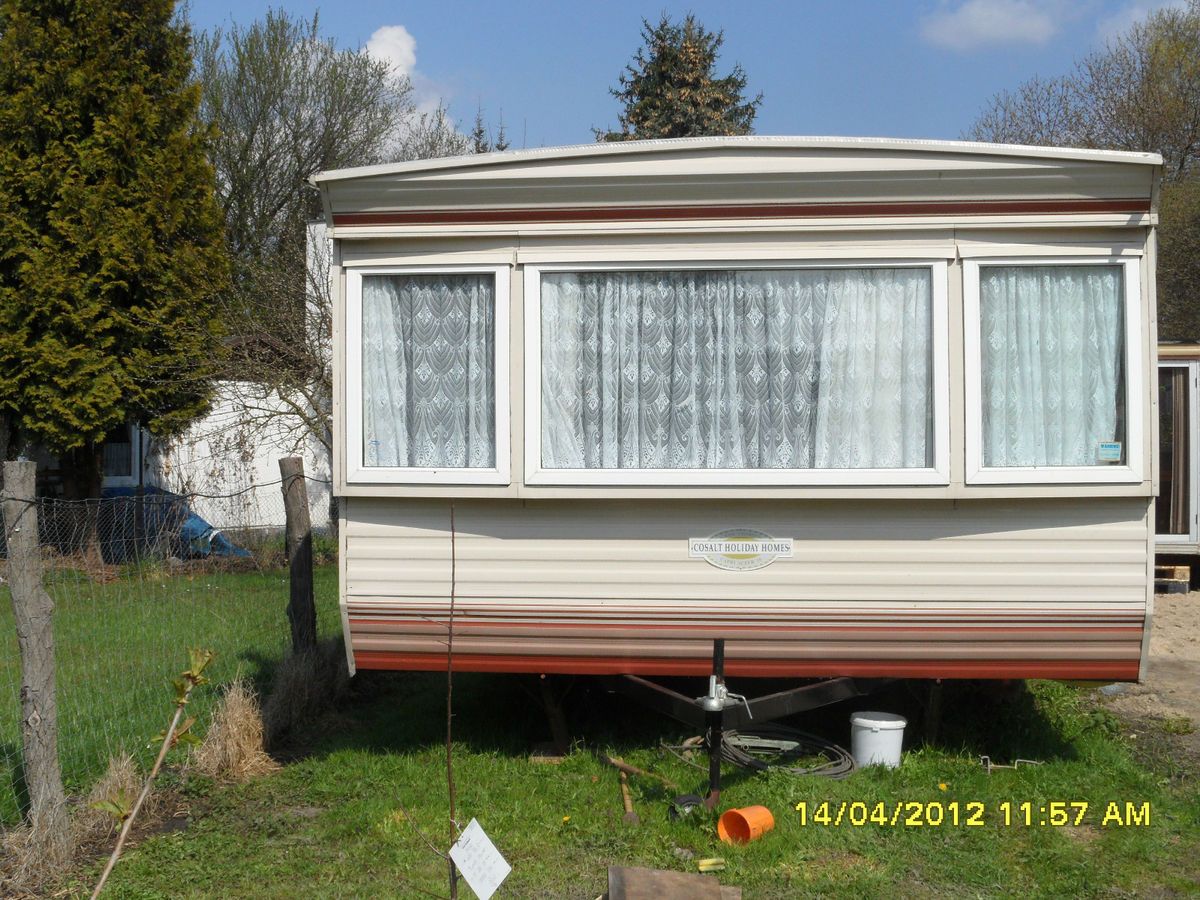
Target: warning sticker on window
{"points": [[1108, 451]]}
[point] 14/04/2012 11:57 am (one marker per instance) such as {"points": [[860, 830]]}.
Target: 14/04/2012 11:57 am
{"points": [[913, 814]]}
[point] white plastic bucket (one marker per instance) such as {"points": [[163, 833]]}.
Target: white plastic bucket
{"points": [[875, 738]]}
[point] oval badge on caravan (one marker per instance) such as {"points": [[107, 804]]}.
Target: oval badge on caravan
{"points": [[740, 549]]}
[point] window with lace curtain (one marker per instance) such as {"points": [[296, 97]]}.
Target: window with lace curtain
{"points": [[739, 375], [425, 375], [1052, 344]]}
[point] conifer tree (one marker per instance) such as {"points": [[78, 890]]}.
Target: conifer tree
{"points": [[111, 245], [671, 88], [479, 134]]}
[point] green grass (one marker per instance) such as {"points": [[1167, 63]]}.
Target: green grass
{"points": [[118, 645], [330, 824]]}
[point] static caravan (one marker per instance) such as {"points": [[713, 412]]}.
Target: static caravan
{"points": [[865, 408]]}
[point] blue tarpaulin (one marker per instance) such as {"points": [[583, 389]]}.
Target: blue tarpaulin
{"points": [[163, 514], [202, 539]]}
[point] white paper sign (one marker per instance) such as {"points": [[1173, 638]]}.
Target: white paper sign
{"points": [[481, 865]]}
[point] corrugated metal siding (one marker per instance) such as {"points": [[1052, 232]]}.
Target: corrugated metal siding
{"points": [[1015, 588]]}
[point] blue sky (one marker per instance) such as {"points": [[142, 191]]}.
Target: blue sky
{"points": [[923, 68]]}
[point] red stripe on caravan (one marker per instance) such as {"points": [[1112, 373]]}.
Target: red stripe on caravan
{"points": [[740, 211], [1114, 670]]}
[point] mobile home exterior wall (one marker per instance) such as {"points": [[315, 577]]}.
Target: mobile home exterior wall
{"points": [[954, 567], [983, 589]]}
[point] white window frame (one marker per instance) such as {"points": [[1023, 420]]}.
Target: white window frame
{"points": [[356, 471], [135, 460], [1193, 373], [937, 474], [1132, 471]]}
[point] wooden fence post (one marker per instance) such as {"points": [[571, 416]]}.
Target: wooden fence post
{"points": [[33, 610], [301, 611]]}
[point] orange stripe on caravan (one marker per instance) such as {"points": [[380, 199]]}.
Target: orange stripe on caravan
{"points": [[741, 211], [1115, 670]]}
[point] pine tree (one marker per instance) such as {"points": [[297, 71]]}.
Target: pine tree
{"points": [[502, 142], [671, 88], [479, 134], [111, 245]]}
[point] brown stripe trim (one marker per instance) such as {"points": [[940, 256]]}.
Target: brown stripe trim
{"points": [[1080, 629], [740, 211], [1115, 670], [765, 618], [707, 608]]}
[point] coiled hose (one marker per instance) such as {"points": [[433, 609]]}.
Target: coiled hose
{"points": [[780, 745]]}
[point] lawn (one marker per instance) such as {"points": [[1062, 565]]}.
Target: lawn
{"points": [[336, 821], [120, 643]]}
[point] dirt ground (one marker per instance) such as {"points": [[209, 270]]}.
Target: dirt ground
{"points": [[1169, 700]]}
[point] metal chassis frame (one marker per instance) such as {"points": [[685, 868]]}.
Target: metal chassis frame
{"points": [[759, 709]]}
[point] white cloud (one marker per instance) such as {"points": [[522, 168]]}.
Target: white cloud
{"points": [[1130, 14], [397, 47], [394, 45], [982, 23]]}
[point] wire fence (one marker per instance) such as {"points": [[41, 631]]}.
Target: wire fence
{"points": [[136, 580]]}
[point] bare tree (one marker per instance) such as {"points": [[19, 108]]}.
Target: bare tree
{"points": [[1040, 112], [1139, 92], [428, 135], [1142, 92], [287, 103]]}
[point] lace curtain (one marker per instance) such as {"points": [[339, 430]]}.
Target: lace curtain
{"points": [[751, 369], [1052, 346], [427, 366]]}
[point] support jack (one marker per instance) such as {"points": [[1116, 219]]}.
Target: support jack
{"points": [[721, 709]]}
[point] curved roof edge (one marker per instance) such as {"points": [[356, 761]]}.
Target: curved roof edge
{"points": [[618, 148]]}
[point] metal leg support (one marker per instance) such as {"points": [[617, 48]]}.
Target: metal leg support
{"points": [[716, 731]]}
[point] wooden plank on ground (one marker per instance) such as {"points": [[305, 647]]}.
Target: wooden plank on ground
{"points": [[629, 883]]}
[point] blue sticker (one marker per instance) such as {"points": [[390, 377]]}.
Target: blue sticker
{"points": [[1108, 451]]}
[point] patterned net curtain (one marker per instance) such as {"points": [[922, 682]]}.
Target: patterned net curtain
{"points": [[754, 369], [1052, 346], [429, 394]]}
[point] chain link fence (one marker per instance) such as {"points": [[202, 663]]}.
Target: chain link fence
{"points": [[136, 580]]}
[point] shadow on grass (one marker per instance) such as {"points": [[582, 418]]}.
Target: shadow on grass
{"points": [[503, 714], [261, 669], [1004, 720]]}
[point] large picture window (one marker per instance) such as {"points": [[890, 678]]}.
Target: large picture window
{"points": [[1054, 343], [424, 381], [755, 375]]}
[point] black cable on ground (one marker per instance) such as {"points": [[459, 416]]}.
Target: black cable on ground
{"points": [[782, 745]]}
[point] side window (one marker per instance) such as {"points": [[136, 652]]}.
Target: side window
{"points": [[426, 401], [1054, 361]]}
